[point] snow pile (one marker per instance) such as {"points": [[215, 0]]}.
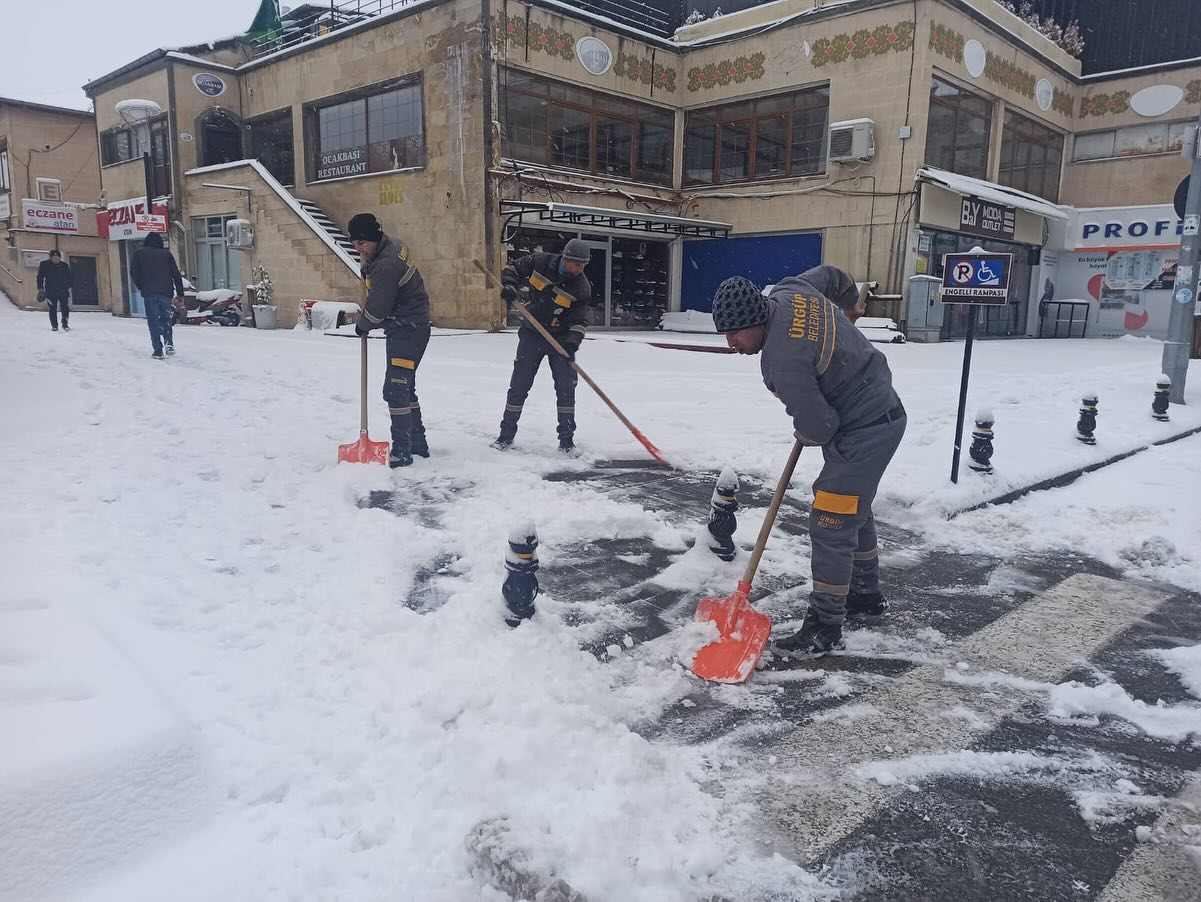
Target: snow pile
{"points": [[1185, 662]]}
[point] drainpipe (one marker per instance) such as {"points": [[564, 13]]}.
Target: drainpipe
{"points": [[486, 54]]}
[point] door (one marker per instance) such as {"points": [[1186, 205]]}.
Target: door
{"points": [[85, 288], [597, 274]]}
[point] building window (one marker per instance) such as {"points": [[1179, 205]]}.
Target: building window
{"points": [[217, 266], [777, 137], [129, 142], [376, 129], [1134, 141], [958, 131], [271, 144], [555, 124], [5, 177], [1031, 156]]}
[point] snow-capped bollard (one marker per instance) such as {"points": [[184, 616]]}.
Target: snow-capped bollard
{"points": [[722, 521], [1159, 406], [981, 450], [1087, 424], [521, 581]]}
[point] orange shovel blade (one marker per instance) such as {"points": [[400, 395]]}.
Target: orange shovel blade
{"points": [[744, 634], [364, 451]]}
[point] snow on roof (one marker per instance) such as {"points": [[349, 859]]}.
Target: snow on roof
{"points": [[990, 191]]}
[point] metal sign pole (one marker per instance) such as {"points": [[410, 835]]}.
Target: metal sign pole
{"points": [[967, 368], [1180, 321]]}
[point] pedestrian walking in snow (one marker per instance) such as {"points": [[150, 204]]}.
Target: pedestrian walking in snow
{"points": [[157, 277], [54, 287], [559, 297], [397, 302], [838, 390]]}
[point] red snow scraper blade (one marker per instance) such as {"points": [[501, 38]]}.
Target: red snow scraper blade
{"points": [[744, 634], [364, 451]]}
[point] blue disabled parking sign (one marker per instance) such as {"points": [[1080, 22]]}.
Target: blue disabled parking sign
{"points": [[976, 278]]}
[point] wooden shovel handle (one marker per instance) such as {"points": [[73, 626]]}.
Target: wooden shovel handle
{"points": [[363, 361], [774, 508]]}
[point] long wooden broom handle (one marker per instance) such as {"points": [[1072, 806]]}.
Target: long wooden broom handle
{"points": [[774, 508], [363, 360], [550, 339]]}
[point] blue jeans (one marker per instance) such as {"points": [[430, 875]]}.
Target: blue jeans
{"points": [[158, 320]]}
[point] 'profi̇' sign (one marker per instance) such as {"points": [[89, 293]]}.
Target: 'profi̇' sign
{"points": [[1138, 228]]}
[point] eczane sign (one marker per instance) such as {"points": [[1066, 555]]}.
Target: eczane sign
{"points": [[39, 217]]}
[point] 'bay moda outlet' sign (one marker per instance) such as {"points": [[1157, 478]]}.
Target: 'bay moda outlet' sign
{"points": [[339, 163], [980, 217]]}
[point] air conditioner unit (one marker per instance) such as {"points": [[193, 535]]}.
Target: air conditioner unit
{"points": [[852, 141], [239, 234]]}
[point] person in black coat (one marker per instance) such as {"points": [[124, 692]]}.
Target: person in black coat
{"points": [[156, 275], [559, 295], [54, 287]]}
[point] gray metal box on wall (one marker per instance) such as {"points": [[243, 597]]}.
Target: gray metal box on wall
{"points": [[924, 322]]}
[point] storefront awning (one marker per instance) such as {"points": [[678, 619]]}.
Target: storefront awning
{"points": [[528, 212], [991, 192]]}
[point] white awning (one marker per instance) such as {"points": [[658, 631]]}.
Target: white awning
{"points": [[992, 192]]}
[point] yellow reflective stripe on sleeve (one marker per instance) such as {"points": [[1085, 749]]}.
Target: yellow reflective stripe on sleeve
{"points": [[867, 555], [539, 281], [371, 317], [583, 330], [833, 503], [828, 336], [563, 299], [403, 362]]}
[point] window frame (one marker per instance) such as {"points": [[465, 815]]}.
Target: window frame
{"points": [[1032, 133], [958, 110], [110, 138], [601, 108], [264, 119], [1168, 150], [311, 113], [747, 115]]}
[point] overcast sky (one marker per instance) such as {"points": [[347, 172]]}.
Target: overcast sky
{"points": [[55, 46]]}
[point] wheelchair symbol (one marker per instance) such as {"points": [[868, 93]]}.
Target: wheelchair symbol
{"points": [[986, 273]]}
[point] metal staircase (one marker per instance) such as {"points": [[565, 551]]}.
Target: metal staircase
{"points": [[330, 227]]}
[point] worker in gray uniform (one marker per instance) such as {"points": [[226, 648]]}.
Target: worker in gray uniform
{"points": [[559, 295], [397, 302], [838, 390]]}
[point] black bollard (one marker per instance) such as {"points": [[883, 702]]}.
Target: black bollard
{"points": [[1159, 406], [722, 521], [981, 450], [521, 581], [1087, 424]]}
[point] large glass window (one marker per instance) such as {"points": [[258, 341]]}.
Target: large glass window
{"points": [[129, 142], [558, 124], [774, 137], [217, 266], [271, 144], [376, 129], [1132, 141], [957, 133], [1031, 156]]}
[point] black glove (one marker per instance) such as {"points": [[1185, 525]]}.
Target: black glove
{"points": [[361, 327], [571, 344], [508, 294], [41, 295]]}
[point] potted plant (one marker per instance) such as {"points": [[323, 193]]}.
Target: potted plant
{"points": [[264, 310]]}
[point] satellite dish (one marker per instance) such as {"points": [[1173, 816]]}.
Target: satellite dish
{"points": [[134, 111]]}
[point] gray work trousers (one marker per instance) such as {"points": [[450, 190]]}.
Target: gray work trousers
{"points": [[841, 527]]}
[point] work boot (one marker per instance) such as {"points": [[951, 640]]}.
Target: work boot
{"points": [[157, 355], [501, 445], [399, 458], [812, 640], [568, 449], [170, 349], [866, 604], [66, 328]]}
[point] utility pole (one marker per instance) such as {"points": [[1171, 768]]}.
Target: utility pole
{"points": [[1180, 321]]}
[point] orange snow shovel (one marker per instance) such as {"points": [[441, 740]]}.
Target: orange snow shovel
{"points": [[364, 451], [744, 631], [550, 340]]}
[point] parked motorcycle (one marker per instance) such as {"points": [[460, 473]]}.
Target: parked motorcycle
{"points": [[222, 306]]}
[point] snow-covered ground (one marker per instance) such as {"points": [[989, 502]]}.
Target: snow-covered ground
{"points": [[210, 687]]}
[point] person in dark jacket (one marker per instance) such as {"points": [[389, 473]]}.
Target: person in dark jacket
{"points": [[398, 303], [54, 287], [156, 276], [838, 390], [559, 297]]}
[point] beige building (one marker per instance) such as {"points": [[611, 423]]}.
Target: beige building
{"points": [[53, 148], [876, 135]]}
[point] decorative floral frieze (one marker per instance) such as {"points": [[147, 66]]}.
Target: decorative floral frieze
{"points": [[1104, 104], [644, 72], [732, 71], [538, 37], [1062, 103], [946, 42], [1192, 91], [862, 44], [1009, 75]]}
